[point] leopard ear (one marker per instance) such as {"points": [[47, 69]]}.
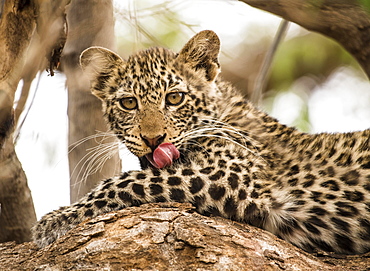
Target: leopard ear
{"points": [[99, 64], [201, 53]]}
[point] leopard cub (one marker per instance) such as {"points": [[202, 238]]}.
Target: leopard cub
{"points": [[200, 141]]}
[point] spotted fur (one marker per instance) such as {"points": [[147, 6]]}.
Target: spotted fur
{"points": [[236, 161]]}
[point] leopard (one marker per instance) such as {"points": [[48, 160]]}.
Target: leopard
{"points": [[200, 141]]}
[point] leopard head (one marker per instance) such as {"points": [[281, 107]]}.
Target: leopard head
{"points": [[156, 96]]}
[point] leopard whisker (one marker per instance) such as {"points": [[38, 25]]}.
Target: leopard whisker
{"points": [[200, 132], [94, 159], [103, 135], [193, 143], [94, 164], [220, 124], [92, 154]]}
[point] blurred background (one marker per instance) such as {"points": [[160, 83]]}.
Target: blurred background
{"points": [[313, 83]]}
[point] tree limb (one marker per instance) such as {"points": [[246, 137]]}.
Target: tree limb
{"points": [[161, 237], [346, 21]]}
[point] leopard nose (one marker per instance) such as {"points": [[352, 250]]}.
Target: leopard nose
{"points": [[153, 142]]}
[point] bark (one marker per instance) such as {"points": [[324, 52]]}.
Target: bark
{"points": [[89, 23], [17, 212], [16, 26], [346, 21], [169, 237], [162, 237]]}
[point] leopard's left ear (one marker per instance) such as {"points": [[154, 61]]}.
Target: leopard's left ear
{"points": [[99, 64], [201, 53]]}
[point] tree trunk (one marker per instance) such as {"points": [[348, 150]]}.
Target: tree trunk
{"points": [[17, 211], [89, 23], [17, 214], [346, 21]]}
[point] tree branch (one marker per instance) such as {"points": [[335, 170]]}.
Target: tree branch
{"points": [[161, 237], [346, 21]]}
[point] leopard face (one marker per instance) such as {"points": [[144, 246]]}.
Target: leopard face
{"points": [[163, 104]]}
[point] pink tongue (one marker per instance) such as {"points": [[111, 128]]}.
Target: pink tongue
{"points": [[163, 155]]}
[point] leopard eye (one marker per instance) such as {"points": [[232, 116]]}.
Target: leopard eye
{"points": [[128, 103], [175, 98]]}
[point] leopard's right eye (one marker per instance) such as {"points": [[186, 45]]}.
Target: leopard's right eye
{"points": [[128, 103]]}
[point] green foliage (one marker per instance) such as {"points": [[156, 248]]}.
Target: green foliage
{"points": [[311, 54], [302, 64], [365, 4]]}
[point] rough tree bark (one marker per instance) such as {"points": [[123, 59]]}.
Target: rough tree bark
{"points": [[162, 237], [346, 21], [90, 23], [17, 213], [168, 237]]}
